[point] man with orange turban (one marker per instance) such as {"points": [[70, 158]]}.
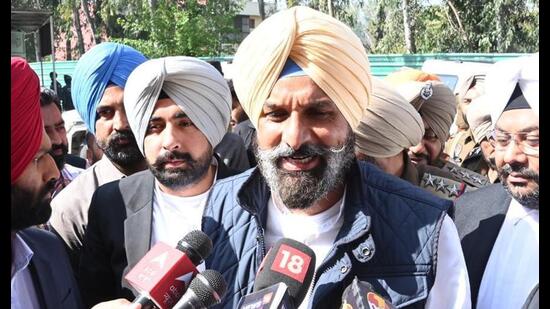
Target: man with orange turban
{"points": [[305, 83]]}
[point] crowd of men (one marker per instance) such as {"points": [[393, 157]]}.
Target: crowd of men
{"points": [[303, 143]]}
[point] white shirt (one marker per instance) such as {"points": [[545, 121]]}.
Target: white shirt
{"points": [[175, 216], [318, 231], [512, 270], [451, 288], [70, 172], [23, 294]]}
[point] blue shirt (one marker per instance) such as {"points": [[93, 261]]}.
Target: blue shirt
{"points": [[23, 294]]}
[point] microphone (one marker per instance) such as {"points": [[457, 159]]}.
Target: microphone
{"points": [[206, 290], [163, 274], [361, 295], [284, 276]]}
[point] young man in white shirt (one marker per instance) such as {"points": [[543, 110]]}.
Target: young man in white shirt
{"points": [[178, 109]]}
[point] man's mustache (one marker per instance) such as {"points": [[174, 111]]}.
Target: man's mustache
{"points": [[172, 155], [60, 146], [523, 171], [123, 134]]}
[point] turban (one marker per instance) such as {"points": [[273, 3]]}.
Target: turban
{"points": [[389, 125], [324, 48], [435, 102], [479, 118], [503, 77], [26, 121], [105, 63], [407, 74], [194, 85], [470, 83]]}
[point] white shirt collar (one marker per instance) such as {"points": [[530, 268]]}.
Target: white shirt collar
{"points": [[22, 255]]}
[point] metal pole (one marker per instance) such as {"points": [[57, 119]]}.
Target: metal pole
{"points": [[38, 56], [53, 55]]}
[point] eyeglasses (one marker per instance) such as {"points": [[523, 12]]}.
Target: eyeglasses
{"points": [[527, 142]]}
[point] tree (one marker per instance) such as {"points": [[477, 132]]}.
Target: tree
{"points": [[96, 36], [173, 28], [501, 26]]}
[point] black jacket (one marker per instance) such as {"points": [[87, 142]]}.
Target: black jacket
{"points": [[118, 235], [478, 217], [51, 272]]}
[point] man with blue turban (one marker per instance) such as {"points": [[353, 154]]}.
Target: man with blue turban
{"points": [[98, 86]]}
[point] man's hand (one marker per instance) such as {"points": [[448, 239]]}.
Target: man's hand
{"points": [[120, 303]]}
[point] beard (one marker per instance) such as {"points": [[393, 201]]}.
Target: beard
{"points": [[181, 177], [59, 159], [123, 154], [528, 199], [302, 189], [30, 208]]}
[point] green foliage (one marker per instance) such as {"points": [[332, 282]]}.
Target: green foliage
{"points": [[173, 28], [493, 26]]}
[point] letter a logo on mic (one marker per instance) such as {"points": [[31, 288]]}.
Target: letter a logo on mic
{"points": [[291, 262]]}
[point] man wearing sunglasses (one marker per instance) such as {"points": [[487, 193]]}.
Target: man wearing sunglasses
{"points": [[499, 224]]}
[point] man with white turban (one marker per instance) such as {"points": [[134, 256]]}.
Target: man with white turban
{"points": [[304, 81], [499, 224], [179, 109], [97, 90], [436, 104], [387, 130]]}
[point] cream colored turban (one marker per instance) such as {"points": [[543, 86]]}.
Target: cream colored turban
{"points": [[196, 86], [479, 118], [389, 125], [326, 49], [435, 102]]}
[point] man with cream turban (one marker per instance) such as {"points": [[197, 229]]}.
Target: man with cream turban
{"points": [[499, 224], [97, 91], [179, 110], [304, 81], [436, 104], [479, 121], [387, 130], [460, 146]]}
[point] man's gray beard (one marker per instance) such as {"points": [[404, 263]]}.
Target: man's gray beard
{"points": [[300, 190], [529, 200]]}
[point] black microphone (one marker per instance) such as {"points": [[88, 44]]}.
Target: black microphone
{"points": [[206, 290], [162, 275], [284, 276], [361, 295]]}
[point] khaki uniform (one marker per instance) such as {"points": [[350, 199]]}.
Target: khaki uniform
{"points": [[435, 180], [471, 178], [459, 146]]}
